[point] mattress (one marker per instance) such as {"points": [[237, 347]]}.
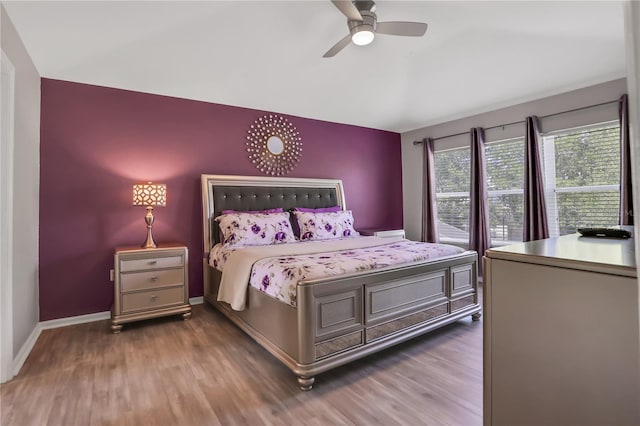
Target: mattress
{"points": [[276, 270]]}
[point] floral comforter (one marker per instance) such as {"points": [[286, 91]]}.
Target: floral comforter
{"points": [[278, 276]]}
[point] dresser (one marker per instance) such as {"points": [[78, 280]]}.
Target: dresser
{"points": [[150, 283], [561, 334]]}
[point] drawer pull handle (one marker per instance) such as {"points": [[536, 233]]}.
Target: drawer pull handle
{"points": [[153, 278], [154, 298], [153, 262]]}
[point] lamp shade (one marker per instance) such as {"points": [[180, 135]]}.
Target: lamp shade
{"points": [[150, 194]]}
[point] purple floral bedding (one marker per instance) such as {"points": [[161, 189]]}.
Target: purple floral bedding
{"points": [[278, 276]]}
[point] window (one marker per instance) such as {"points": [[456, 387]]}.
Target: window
{"points": [[582, 178], [505, 181], [582, 184], [453, 171]]}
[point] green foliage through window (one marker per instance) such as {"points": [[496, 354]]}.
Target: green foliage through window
{"points": [[585, 189]]}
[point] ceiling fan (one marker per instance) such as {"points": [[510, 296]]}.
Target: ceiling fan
{"points": [[363, 25]]}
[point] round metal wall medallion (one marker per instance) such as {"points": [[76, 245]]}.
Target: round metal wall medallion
{"points": [[274, 145]]}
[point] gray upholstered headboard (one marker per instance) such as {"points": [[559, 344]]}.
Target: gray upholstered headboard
{"points": [[220, 192]]}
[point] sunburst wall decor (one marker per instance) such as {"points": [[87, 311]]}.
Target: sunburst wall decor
{"points": [[274, 145]]}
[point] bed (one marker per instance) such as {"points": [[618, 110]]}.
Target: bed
{"points": [[337, 318]]}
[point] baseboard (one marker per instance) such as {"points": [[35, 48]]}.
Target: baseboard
{"points": [[98, 316], [80, 319], [25, 350]]}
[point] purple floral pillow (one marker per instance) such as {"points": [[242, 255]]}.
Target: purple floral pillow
{"points": [[324, 226], [258, 229], [332, 209]]}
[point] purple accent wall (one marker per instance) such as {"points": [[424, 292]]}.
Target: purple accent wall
{"points": [[96, 142]]}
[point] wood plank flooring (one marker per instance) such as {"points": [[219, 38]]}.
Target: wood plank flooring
{"points": [[208, 372]]}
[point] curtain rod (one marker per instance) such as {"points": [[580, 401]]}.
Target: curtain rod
{"points": [[522, 121]]}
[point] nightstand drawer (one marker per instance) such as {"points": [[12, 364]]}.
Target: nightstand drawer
{"points": [[152, 299], [150, 263], [152, 279]]}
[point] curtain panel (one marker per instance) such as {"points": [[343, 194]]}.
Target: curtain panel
{"points": [[479, 234], [429, 206], [626, 193], [535, 222]]}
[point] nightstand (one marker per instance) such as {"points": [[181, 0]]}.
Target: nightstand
{"points": [[382, 232], [150, 283]]}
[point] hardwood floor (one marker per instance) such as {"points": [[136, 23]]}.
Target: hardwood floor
{"points": [[207, 371]]}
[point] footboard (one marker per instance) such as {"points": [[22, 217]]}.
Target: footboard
{"points": [[345, 318], [341, 319]]}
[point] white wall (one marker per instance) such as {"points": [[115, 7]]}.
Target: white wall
{"points": [[26, 169], [412, 157], [632, 43]]}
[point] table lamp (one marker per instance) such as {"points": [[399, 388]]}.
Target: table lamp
{"points": [[149, 194]]}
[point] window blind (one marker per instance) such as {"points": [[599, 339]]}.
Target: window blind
{"points": [[505, 180], [582, 178], [453, 169]]}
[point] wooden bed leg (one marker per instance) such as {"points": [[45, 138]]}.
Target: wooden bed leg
{"points": [[306, 383], [186, 316], [476, 316]]}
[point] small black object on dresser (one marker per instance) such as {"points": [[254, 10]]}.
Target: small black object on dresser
{"points": [[604, 232]]}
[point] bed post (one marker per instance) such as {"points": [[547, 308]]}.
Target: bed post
{"points": [[306, 325], [306, 383], [206, 278]]}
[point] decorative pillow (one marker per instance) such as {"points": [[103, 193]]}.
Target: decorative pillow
{"points": [[331, 209], [324, 226], [276, 210], [257, 229], [294, 224]]}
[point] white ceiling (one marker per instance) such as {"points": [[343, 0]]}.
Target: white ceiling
{"points": [[476, 56]]}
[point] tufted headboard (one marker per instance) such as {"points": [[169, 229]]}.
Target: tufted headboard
{"points": [[220, 192]]}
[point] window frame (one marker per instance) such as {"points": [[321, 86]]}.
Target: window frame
{"points": [[550, 179]]}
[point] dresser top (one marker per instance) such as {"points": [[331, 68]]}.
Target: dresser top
{"points": [[608, 255]]}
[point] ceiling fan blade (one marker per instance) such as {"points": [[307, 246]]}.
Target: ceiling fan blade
{"points": [[411, 29], [348, 9], [338, 47]]}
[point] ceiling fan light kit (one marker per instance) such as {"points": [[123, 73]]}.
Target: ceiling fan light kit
{"points": [[363, 25], [362, 37]]}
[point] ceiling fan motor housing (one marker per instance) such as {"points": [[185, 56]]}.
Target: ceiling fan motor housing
{"points": [[368, 23]]}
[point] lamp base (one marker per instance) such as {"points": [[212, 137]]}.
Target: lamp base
{"points": [[149, 243]]}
